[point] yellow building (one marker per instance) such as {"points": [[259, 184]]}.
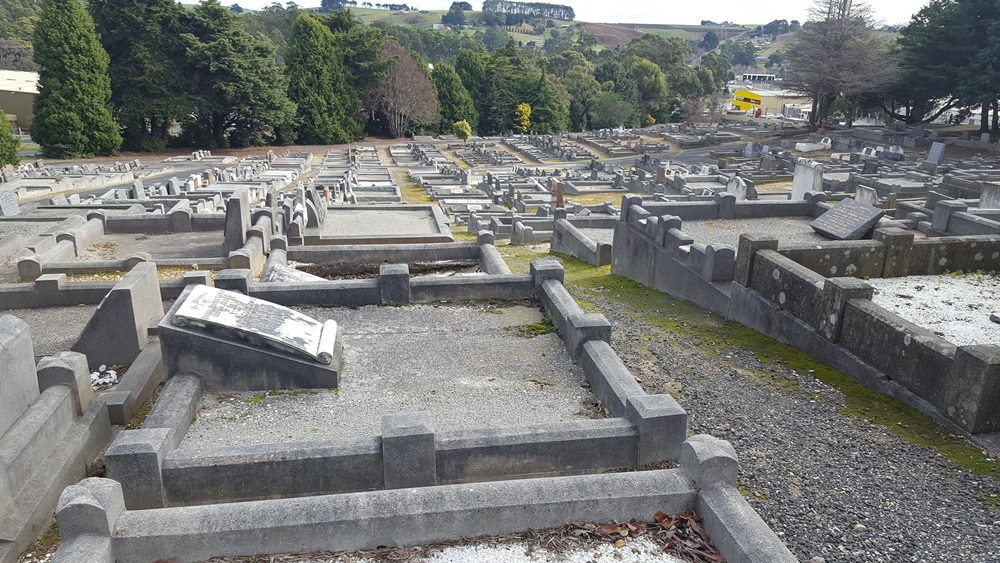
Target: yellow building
{"points": [[767, 101], [17, 95]]}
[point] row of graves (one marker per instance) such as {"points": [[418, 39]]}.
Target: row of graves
{"points": [[203, 156], [355, 175], [485, 153], [690, 136], [33, 181], [322, 394], [805, 270], [762, 130], [548, 148], [615, 143], [900, 134]]}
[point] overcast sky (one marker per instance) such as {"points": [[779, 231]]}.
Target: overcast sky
{"points": [[675, 11]]}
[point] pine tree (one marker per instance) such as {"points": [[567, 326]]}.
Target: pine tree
{"points": [[72, 115], [454, 101], [147, 66], [317, 83], [238, 92], [9, 146]]}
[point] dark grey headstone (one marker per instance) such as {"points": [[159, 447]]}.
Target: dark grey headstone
{"points": [[848, 220], [871, 167], [8, 203]]}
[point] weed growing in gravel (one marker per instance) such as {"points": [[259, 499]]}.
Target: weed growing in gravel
{"points": [[255, 399], [543, 326]]}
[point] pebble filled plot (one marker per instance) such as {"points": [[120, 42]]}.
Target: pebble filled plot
{"points": [[469, 367], [728, 231], [955, 307]]}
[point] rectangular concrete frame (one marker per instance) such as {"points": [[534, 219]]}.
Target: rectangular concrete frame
{"points": [[650, 428], [813, 320], [231, 365]]}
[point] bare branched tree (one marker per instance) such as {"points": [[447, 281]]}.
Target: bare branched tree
{"points": [[837, 54], [406, 94]]}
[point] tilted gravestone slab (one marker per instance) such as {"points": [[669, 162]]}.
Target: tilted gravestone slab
{"points": [[241, 343], [936, 154], [8, 203], [990, 196], [848, 220]]}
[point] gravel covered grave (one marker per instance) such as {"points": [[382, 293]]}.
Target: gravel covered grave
{"points": [[955, 307], [469, 366]]}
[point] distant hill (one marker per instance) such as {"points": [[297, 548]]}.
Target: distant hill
{"points": [[615, 34]]}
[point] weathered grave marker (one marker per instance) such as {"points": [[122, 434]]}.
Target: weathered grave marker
{"points": [[8, 203], [848, 220]]}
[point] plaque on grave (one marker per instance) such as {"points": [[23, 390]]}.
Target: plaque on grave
{"points": [[848, 220], [8, 203], [238, 342]]}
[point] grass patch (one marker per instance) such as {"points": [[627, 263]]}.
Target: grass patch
{"points": [[543, 326], [255, 399], [464, 236], [541, 382], [410, 191]]}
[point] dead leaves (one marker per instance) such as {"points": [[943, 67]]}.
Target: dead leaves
{"points": [[682, 536]]}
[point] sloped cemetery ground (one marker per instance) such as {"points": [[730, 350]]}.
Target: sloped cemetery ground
{"points": [[840, 472], [479, 366]]}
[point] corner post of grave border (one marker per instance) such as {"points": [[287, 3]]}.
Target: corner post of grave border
{"points": [[749, 246], [394, 284], [546, 269], [135, 459], [91, 507], [409, 450], [972, 388], [837, 292], [898, 249]]}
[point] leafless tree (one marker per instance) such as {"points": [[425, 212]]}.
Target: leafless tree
{"points": [[836, 54], [406, 94]]}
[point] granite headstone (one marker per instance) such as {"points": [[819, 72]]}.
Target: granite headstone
{"points": [[848, 220]]}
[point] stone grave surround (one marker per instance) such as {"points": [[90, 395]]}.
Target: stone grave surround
{"points": [[408, 467]]}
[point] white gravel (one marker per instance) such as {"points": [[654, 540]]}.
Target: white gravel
{"points": [[467, 366], [600, 235], [956, 308], [728, 231], [637, 551]]}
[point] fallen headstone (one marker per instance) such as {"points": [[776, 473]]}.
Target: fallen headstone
{"points": [[848, 220]]}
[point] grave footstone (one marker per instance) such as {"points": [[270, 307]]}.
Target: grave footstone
{"points": [[848, 220], [866, 195], [235, 342]]}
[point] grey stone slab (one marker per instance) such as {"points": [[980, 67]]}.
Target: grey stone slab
{"points": [[18, 378], [119, 329], [936, 153], [848, 220]]}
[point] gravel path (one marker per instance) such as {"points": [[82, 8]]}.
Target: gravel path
{"points": [[467, 366], [834, 487], [957, 308]]}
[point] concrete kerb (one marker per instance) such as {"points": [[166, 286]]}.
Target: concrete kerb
{"points": [[95, 509]]}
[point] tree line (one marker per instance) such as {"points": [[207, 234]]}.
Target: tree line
{"points": [[120, 74]]}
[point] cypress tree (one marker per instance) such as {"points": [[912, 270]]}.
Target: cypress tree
{"points": [[72, 113], [317, 83], [454, 101], [9, 146]]}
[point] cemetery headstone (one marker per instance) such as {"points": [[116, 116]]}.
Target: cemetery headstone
{"points": [[848, 220], [990, 196], [236, 342], [808, 178], [737, 187], [8, 203], [866, 195], [936, 154]]}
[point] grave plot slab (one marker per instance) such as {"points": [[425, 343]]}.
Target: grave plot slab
{"points": [[728, 231], [160, 246], [848, 220], [957, 308], [469, 367], [382, 225], [237, 342], [54, 329]]}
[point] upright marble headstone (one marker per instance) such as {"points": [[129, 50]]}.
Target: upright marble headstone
{"points": [[866, 195], [18, 378], [808, 178], [936, 154], [236, 342], [737, 187], [8, 203], [848, 220]]}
